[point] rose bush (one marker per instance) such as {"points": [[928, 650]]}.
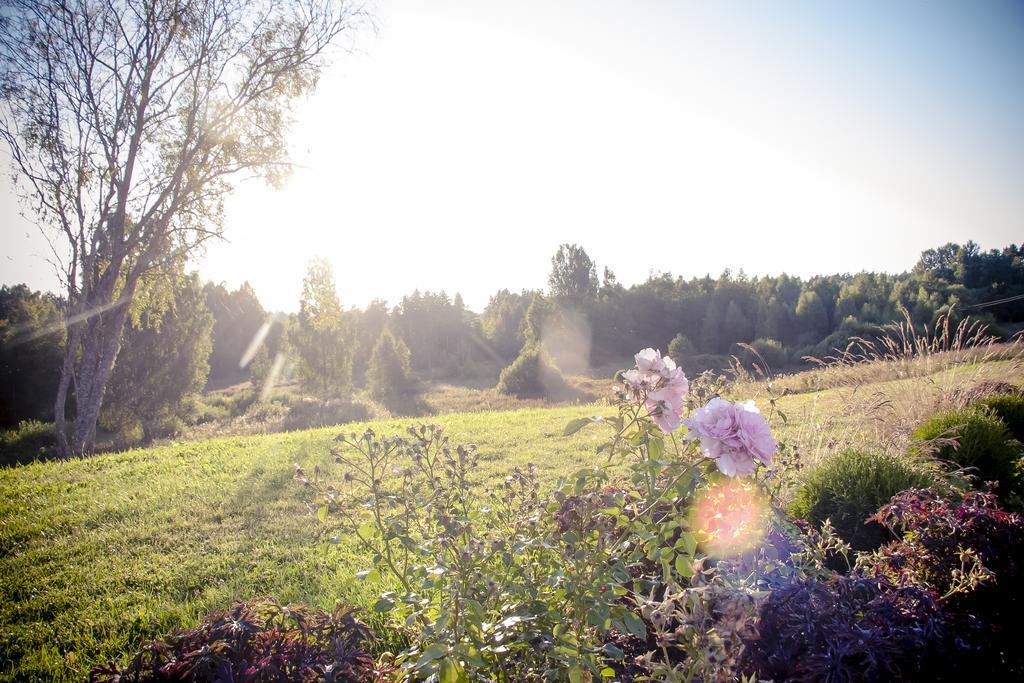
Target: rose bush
{"points": [[672, 562]]}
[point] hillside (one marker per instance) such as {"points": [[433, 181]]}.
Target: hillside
{"points": [[98, 554]]}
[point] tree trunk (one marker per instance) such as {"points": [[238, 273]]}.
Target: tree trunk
{"points": [[93, 345], [99, 351], [60, 405]]}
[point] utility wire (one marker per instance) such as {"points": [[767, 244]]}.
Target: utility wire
{"points": [[996, 302]]}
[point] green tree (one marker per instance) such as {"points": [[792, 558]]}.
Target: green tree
{"points": [[163, 361], [503, 322], [126, 122], [736, 326], [31, 347], [811, 316], [369, 325], [238, 320], [389, 376], [573, 277], [323, 337]]}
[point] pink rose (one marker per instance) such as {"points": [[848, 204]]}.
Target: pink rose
{"points": [[665, 406], [736, 436]]}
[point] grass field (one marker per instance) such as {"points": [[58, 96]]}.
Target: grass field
{"points": [[99, 554]]}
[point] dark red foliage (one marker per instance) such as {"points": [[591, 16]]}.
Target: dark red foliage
{"points": [[935, 531], [849, 629], [257, 642], [906, 615]]}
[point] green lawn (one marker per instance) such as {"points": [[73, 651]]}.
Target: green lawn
{"points": [[99, 554]]}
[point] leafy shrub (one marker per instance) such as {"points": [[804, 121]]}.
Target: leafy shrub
{"points": [[972, 437], [464, 562], [504, 584], [267, 411], [848, 629], [681, 348], [308, 413], [255, 642], [968, 553], [29, 441], [850, 487], [532, 374], [1010, 409], [765, 352], [388, 376]]}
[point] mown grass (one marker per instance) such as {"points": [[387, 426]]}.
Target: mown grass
{"points": [[99, 554]]}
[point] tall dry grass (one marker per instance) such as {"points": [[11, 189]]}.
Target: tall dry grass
{"points": [[875, 391]]}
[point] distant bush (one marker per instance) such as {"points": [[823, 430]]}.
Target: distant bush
{"points": [[531, 374], [257, 641], [1010, 409], [267, 411], [768, 351], [389, 374], [30, 440], [681, 348], [850, 487], [312, 413], [973, 437], [231, 403], [701, 362]]}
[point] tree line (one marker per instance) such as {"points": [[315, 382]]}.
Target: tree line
{"points": [[192, 335]]}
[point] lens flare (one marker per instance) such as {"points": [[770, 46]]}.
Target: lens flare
{"points": [[730, 518]]}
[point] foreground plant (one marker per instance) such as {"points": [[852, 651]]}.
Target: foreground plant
{"points": [[507, 584], [259, 641]]}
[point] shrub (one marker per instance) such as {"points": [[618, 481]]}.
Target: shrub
{"points": [[388, 376], [312, 413], [969, 553], [267, 411], [1010, 409], [257, 641], [681, 347], [30, 440], [972, 437], [850, 487], [767, 352], [848, 629], [963, 396], [531, 374]]}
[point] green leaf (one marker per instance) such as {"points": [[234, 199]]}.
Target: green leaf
{"points": [[321, 514], [451, 671], [435, 651], [656, 448], [575, 425], [689, 542], [383, 604], [635, 626], [613, 652], [684, 565], [576, 673]]}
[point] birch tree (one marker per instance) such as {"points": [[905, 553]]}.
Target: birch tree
{"points": [[127, 121]]}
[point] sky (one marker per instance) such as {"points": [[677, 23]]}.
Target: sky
{"points": [[460, 143]]}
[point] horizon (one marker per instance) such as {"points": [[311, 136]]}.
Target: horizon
{"points": [[661, 138]]}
